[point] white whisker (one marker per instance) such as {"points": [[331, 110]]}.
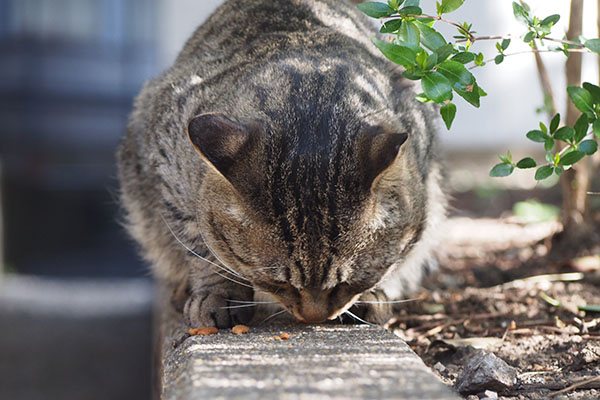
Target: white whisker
{"points": [[240, 306], [219, 258], [358, 319], [274, 315], [207, 260], [386, 302], [251, 302]]}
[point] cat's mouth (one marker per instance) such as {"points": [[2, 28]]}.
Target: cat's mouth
{"points": [[310, 310]]}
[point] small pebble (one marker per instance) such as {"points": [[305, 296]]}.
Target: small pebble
{"points": [[277, 337], [285, 336], [439, 367], [489, 395], [485, 371]]}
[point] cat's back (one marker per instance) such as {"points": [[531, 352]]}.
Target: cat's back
{"points": [[255, 29]]}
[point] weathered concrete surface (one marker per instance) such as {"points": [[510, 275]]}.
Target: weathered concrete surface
{"points": [[329, 361]]}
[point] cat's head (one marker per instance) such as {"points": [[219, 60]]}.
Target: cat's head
{"points": [[314, 220]]}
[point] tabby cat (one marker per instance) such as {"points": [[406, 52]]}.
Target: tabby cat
{"points": [[282, 154]]}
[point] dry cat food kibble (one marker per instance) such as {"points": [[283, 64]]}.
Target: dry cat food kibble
{"points": [[208, 330], [285, 336], [240, 329]]}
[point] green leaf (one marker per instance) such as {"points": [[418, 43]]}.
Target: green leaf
{"points": [[457, 74], [593, 45], [526, 162], [550, 20], [398, 54], [504, 159], [411, 10], [565, 133], [464, 57], [422, 98], [413, 75], [581, 98], [391, 26], [543, 127], [594, 90], [596, 127], [444, 52], [554, 123], [499, 58], [436, 86], [375, 9], [501, 170], [412, 3], [520, 13], [430, 38], [529, 36], [571, 158], [537, 136], [505, 44], [471, 96], [431, 61], [448, 112], [558, 171], [589, 147], [549, 144], [543, 172], [581, 128], [422, 58], [410, 36], [448, 6], [479, 60]]}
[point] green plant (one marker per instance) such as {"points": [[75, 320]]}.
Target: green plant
{"points": [[444, 69]]}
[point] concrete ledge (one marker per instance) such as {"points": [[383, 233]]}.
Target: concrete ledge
{"points": [[318, 362]]}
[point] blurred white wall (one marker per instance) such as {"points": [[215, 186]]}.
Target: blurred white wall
{"points": [[513, 87], [177, 20]]}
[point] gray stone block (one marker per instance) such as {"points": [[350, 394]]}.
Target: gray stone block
{"points": [[328, 361]]}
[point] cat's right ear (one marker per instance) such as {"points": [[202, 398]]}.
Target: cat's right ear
{"points": [[219, 140]]}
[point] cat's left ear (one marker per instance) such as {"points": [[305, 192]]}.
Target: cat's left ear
{"points": [[380, 152], [220, 141]]}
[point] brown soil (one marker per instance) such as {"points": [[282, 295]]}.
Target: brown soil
{"points": [[493, 286]]}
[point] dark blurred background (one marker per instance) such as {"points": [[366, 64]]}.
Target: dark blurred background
{"points": [[75, 315], [69, 71]]}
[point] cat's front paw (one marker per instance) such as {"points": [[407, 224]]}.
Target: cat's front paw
{"points": [[215, 309]]}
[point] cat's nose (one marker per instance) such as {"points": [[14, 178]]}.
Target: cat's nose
{"points": [[314, 306]]}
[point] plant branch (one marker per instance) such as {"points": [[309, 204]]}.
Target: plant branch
{"points": [[529, 52], [438, 18], [544, 82], [474, 38], [501, 37]]}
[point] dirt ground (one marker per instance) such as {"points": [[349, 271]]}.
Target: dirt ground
{"points": [[498, 289]]}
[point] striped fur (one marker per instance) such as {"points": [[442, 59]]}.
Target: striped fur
{"points": [[311, 172]]}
